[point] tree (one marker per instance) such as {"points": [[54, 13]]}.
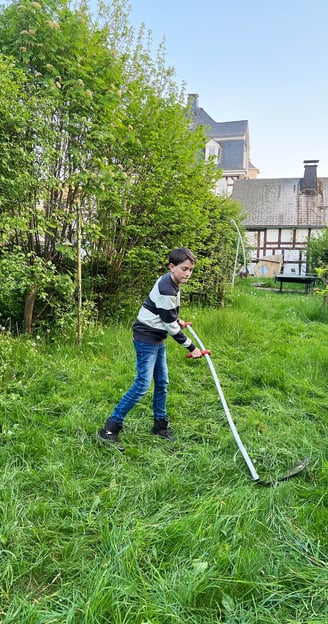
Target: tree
{"points": [[71, 75], [106, 130], [159, 195], [17, 184]]}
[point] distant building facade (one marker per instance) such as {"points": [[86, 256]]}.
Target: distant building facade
{"points": [[282, 214], [228, 143]]}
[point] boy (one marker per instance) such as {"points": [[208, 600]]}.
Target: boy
{"points": [[157, 318]]}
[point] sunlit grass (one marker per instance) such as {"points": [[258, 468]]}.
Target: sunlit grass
{"points": [[169, 534]]}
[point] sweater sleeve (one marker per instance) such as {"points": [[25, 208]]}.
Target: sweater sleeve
{"points": [[168, 306], [158, 316]]}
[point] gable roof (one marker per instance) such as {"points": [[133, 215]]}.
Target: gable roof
{"points": [[280, 202], [219, 129], [232, 136]]}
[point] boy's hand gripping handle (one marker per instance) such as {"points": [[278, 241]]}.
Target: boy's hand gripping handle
{"points": [[204, 352]]}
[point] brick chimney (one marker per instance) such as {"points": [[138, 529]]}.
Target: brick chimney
{"points": [[309, 182]]}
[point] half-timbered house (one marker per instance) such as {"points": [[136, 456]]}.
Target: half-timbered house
{"points": [[282, 214]]}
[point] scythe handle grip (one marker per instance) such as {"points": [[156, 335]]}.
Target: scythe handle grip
{"points": [[204, 352]]}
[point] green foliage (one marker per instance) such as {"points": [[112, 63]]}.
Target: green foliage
{"points": [[16, 159], [318, 260], [217, 246], [20, 274], [13, 286], [168, 534], [58, 52], [90, 120], [318, 250]]}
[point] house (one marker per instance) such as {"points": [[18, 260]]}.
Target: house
{"points": [[282, 214], [228, 143]]}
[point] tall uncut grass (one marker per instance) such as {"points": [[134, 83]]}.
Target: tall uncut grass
{"points": [[169, 534]]}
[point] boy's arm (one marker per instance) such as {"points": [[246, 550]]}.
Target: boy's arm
{"points": [[173, 325], [195, 353], [167, 306]]}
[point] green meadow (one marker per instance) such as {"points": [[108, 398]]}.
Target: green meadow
{"points": [[169, 533]]}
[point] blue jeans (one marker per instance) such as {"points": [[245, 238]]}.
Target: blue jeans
{"points": [[151, 364]]}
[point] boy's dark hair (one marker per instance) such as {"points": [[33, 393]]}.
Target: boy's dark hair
{"points": [[179, 255]]}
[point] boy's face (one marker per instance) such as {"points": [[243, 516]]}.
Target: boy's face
{"points": [[181, 272]]}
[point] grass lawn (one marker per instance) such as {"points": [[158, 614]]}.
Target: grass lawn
{"points": [[169, 534]]}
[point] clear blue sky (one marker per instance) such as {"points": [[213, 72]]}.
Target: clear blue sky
{"points": [[265, 61]]}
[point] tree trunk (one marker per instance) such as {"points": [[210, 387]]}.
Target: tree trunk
{"points": [[29, 309]]}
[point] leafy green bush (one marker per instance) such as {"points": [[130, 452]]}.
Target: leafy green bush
{"points": [[318, 251]]}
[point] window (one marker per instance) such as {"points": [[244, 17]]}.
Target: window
{"points": [[212, 151]]}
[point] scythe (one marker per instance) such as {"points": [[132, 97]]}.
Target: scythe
{"points": [[295, 470]]}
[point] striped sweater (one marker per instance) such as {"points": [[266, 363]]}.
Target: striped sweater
{"points": [[158, 315]]}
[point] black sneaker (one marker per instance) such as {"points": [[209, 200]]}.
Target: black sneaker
{"points": [[160, 429], [108, 435]]}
